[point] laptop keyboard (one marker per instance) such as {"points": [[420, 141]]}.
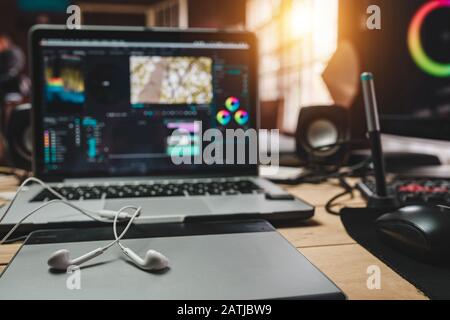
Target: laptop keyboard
{"points": [[139, 190]]}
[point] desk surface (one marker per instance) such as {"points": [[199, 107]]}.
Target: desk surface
{"points": [[325, 243]]}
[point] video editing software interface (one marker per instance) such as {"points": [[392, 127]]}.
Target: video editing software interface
{"points": [[111, 106]]}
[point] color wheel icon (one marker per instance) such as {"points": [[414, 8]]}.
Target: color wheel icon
{"points": [[232, 104], [241, 117], [223, 117]]}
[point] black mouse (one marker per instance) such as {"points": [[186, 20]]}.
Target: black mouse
{"points": [[420, 231]]}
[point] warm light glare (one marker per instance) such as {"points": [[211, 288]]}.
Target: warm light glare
{"points": [[296, 40], [325, 29], [300, 20]]}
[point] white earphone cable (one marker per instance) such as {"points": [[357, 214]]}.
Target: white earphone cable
{"points": [[39, 208], [115, 232], [89, 213], [118, 238], [62, 199]]}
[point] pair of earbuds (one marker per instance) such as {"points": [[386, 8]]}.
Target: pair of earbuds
{"points": [[152, 261], [61, 260]]}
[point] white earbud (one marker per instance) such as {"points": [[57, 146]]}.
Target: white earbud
{"points": [[153, 260], [60, 260]]}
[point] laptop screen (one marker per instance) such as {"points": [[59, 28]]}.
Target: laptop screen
{"points": [[127, 105]]}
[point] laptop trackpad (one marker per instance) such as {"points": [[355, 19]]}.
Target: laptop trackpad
{"points": [[163, 207]]}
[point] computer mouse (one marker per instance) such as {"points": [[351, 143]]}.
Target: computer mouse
{"points": [[420, 231]]}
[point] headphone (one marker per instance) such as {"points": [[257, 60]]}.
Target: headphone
{"points": [[60, 260]]}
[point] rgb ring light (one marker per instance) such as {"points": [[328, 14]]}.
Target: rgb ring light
{"points": [[415, 44]]}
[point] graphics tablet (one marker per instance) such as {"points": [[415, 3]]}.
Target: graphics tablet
{"points": [[216, 260]]}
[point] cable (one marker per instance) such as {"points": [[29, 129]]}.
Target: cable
{"points": [[340, 174], [89, 213], [344, 184], [315, 177], [115, 232], [50, 189], [117, 238], [10, 241], [72, 206], [60, 257], [330, 204], [349, 170], [347, 190], [33, 212]]}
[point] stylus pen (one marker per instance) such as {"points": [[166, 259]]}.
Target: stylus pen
{"points": [[373, 128]]}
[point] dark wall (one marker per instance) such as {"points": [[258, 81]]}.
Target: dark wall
{"points": [[402, 88], [11, 23], [17, 23], [216, 13], [202, 13]]}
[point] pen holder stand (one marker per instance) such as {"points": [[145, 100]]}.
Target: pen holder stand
{"points": [[381, 202]]}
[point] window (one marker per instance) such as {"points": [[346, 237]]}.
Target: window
{"points": [[171, 14], [296, 40]]}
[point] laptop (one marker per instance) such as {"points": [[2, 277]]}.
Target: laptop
{"points": [[214, 260], [120, 117]]}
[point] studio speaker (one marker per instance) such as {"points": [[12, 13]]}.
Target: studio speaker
{"points": [[19, 137], [322, 135]]}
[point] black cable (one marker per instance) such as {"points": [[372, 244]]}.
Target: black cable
{"points": [[348, 189], [316, 177], [313, 177], [351, 169], [348, 171], [330, 204]]}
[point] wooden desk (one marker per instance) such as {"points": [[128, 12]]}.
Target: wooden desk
{"points": [[325, 243]]}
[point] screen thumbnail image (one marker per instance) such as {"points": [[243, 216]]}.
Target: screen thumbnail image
{"points": [[171, 80], [64, 82]]}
